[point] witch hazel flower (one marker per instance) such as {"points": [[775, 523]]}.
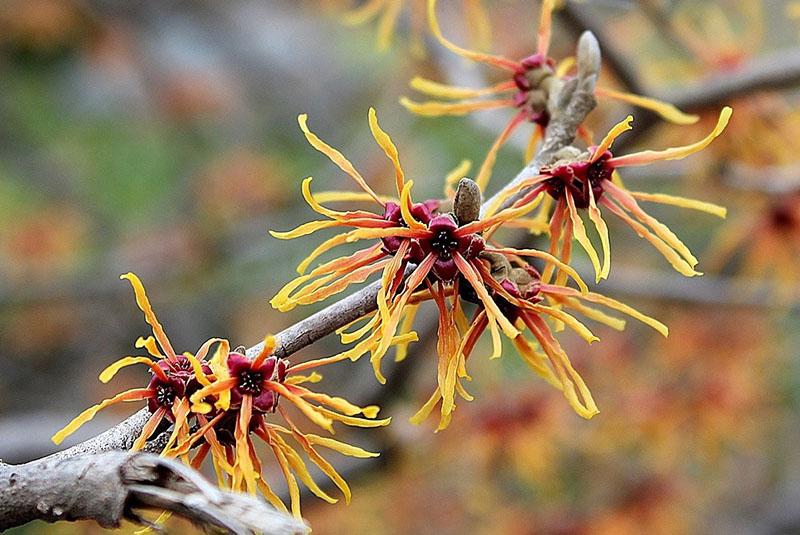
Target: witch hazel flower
{"points": [[415, 247], [167, 393], [530, 85], [588, 181], [240, 402]]}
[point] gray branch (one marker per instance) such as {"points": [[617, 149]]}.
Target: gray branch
{"points": [[114, 486]]}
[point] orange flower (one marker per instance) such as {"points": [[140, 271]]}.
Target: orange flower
{"points": [[532, 81], [589, 180]]}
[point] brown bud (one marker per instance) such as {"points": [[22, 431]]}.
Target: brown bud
{"points": [[499, 266], [467, 202]]}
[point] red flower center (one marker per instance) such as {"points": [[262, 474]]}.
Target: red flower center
{"points": [[251, 382], [577, 177], [444, 244]]}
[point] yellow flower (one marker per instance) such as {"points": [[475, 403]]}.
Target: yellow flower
{"points": [[247, 394]]}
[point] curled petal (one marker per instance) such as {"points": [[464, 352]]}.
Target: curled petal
{"points": [[136, 394], [676, 153], [149, 316], [613, 134], [386, 143], [497, 61], [336, 157], [107, 374], [149, 343]]}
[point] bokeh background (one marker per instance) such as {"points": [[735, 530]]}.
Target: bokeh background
{"points": [[161, 138]]}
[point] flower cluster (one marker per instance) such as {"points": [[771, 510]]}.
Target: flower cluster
{"points": [[438, 251], [219, 405], [216, 404]]}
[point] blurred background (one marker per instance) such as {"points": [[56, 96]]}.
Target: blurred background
{"points": [[161, 138]]}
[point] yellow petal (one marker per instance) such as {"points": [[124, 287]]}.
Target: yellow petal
{"points": [[385, 142], [683, 202], [137, 394], [437, 109], [497, 61], [435, 89], [676, 153], [613, 134], [666, 110], [341, 447], [149, 316], [336, 157], [580, 234]]}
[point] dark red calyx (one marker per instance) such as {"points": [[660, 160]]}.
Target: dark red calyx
{"points": [[578, 177], [225, 428], [537, 60], [784, 217], [165, 393], [250, 379], [443, 244]]}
